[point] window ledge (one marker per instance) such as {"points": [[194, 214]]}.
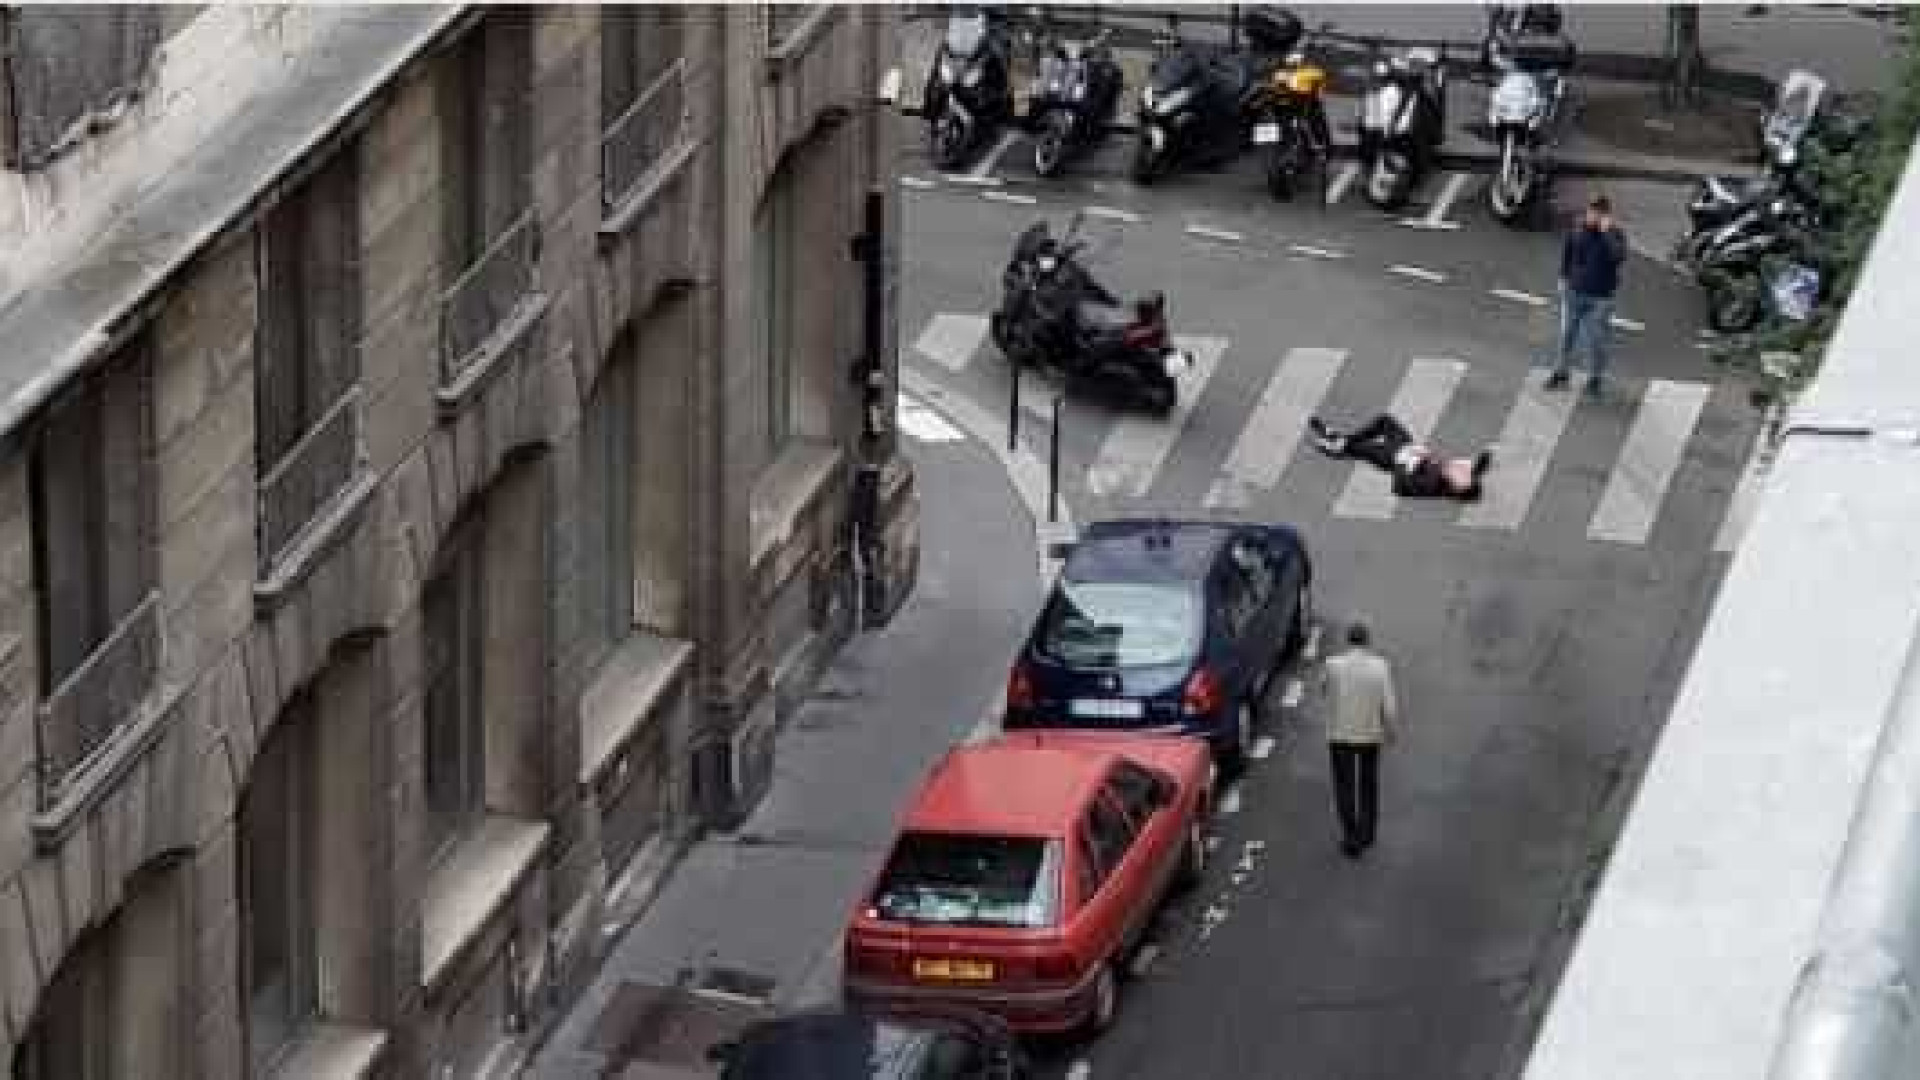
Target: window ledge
{"points": [[800, 39], [470, 885], [632, 205], [318, 539], [623, 694], [785, 489], [501, 346], [86, 788], [333, 1052]]}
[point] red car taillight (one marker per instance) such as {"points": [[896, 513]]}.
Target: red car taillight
{"points": [[1020, 688], [1202, 694], [871, 962]]}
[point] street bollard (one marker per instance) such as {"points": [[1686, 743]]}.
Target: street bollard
{"points": [[1053, 461], [1013, 410]]}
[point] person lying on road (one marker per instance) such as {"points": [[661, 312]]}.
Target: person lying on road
{"points": [[1418, 472]]}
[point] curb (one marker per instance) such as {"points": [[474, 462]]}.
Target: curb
{"points": [[1025, 471]]}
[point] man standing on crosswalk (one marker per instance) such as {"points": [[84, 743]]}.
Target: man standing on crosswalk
{"points": [[1362, 714], [1589, 276]]}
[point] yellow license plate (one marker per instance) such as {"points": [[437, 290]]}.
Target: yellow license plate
{"points": [[952, 970]]}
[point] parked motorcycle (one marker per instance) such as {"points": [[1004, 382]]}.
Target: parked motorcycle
{"points": [[969, 89], [1073, 100], [1290, 120], [1198, 106], [1741, 261], [1523, 110], [1054, 313], [1402, 124]]}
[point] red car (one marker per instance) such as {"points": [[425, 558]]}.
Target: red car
{"points": [[1025, 872]]}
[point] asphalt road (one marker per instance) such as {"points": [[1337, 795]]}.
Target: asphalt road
{"points": [[1538, 639]]}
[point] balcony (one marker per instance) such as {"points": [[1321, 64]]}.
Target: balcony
{"points": [[81, 717], [639, 142], [486, 299], [309, 477]]}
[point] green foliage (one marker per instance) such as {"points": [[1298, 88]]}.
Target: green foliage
{"points": [[1855, 188]]}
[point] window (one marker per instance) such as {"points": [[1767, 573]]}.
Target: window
{"points": [[94, 561], [956, 880], [642, 95], [278, 818], [1104, 624], [1133, 789], [308, 365], [608, 476], [455, 734], [1110, 834], [773, 304], [487, 187]]}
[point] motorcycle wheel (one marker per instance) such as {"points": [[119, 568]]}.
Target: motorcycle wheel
{"points": [[947, 137], [1148, 163], [1388, 186], [1734, 305], [1050, 147], [1512, 188], [1284, 167]]}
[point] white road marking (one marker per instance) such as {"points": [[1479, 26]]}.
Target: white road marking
{"points": [[1420, 272], [1437, 213], [1262, 748], [967, 178], [1521, 297], [1706, 346], [1212, 233], [1342, 181], [1144, 958], [890, 85], [1270, 436], [1213, 843], [1532, 430], [1622, 323], [988, 725], [1312, 648], [1009, 197], [1746, 496], [1315, 251], [1430, 226], [1418, 403], [1081, 1069], [916, 182], [1136, 446], [1294, 692], [1647, 461], [984, 166], [951, 339], [1113, 213], [1230, 801], [1037, 391], [924, 424]]}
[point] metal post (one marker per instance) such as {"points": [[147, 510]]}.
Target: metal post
{"points": [[1053, 461], [1013, 409], [1233, 26]]}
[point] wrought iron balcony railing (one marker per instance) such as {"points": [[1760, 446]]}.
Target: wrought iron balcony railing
{"points": [[486, 295], [309, 476], [641, 136], [97, 699]]}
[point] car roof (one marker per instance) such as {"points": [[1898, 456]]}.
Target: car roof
{"points": [[1146, 550], [1021, 784]]}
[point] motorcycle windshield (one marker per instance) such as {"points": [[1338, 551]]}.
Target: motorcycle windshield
{"points": [[1515, 99], [966, 33], [1380, 109]]}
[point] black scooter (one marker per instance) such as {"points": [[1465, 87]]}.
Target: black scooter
{"points": [[1402, 125], [1053, 313], [1201, 101], [969, 92], [1073, 100]]}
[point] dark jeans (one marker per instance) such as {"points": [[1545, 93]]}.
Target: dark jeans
{"points": [[1377, 441], [1356, 788]]}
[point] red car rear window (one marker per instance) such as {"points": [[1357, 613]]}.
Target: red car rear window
{"points": [[945, 879]]}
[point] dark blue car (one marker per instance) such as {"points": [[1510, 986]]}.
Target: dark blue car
{"points": [[1174, 626]]}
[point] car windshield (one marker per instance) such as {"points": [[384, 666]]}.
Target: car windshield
{"points": [[965, 32], [953, 880], [1106, 625]]}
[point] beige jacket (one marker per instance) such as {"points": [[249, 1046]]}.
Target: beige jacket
{"points": [[1362, 707]]}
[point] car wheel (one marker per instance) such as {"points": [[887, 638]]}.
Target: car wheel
{"points": [[1193, 859], [1106, 1000], [1234, 761]]}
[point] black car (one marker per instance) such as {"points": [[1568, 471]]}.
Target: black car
{"points": [[1175, 626], [943, 1045]]}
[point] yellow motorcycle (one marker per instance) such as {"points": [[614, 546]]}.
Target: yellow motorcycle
{"points": [[1290, 122]]}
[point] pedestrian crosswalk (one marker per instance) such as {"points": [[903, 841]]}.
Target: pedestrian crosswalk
{"points": [[1247, 436]]}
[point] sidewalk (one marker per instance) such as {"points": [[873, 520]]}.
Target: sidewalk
{"points": [[756, 914]]}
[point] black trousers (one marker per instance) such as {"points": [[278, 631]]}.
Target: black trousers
{"points": [[1356, 789], [1377, 441]]}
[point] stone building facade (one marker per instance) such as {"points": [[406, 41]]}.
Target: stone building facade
{"points": [[429, 472]]}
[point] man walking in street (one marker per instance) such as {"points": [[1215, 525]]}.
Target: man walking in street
{"points": [[1362, 715], [1589, 276]]}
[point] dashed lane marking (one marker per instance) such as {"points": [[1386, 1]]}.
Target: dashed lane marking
{"points": [[967, 178], [1295, 690], [1316, 251], [1419, 272], [1213, 843], [1437, 213], [1211, 233], [1312, 649], [1519, 297], [1112, 213], [1081, 1069], [985, 165], [1623, 323], [1009, 197], [1262, 748], [916, 182], [1144, 958], [1342, 181], [1230, 801]]}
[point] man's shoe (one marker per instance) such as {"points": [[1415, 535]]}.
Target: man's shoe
{"points": [[1557, 381], [1481, 462], [1593, 386]]}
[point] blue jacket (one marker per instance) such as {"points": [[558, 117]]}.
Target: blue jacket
{"points": [[1590, 261]]}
